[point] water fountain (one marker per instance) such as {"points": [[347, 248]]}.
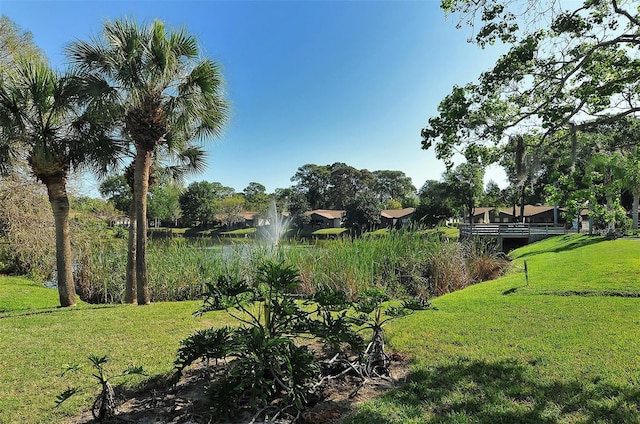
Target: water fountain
{"points": [[276, 226]]}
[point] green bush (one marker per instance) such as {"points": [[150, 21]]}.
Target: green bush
{"points": [[266, 369]]}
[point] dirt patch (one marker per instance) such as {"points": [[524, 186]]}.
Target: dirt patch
{"points": [[184, 403]]}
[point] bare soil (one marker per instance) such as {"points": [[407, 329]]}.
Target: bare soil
{"points": [[184, 403]]}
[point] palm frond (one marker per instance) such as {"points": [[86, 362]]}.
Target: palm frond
{"points": [[88, 56], [153, 74], [183, 44]]}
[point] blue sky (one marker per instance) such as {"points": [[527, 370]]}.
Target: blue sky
{"points": [[308, 81]]}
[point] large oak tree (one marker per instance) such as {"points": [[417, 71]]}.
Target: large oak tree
{"points": [[567, 70]]}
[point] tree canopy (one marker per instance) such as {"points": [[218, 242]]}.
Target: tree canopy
{"points": [[15, 44], [579, 71], [335, 186]]}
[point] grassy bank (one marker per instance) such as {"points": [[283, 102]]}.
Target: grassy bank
{"points": [[563, 349]]}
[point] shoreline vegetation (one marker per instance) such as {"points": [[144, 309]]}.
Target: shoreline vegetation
{"points": [[404, 263]]}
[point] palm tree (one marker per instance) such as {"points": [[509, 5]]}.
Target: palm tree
{"points": [[163, 93], [40, 123]]}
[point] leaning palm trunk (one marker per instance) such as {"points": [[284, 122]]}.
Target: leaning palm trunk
{"points": [[141, 186], [56, 188], [105, 404], [377, 360]]}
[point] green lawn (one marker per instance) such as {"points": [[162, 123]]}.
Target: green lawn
{"points": [[37, 340], [329, 231], [564, 349]]}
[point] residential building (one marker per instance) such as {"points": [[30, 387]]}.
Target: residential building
{"points": [[395, 218]]}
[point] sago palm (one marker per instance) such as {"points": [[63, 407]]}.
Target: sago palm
{"points": [[162, 91], [40, 124]]}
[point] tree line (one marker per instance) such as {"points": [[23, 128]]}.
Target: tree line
{"points": [[336, 186], [558, 111]]}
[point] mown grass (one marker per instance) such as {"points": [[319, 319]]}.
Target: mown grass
{"points": [[329, 231], [37, 340], [503, 352], [564, 349], [20, 293], [452, 233], [575, 264], [239, 232]]}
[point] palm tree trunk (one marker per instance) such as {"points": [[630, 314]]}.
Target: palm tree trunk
{"points": [[131, 289], [57, 191], [634, 210], [140, 188], [591, 215], [608, 182], [522, 217]]}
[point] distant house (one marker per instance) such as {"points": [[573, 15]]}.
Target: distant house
{"points": [[533, 214], [326, 218], [244, 219], [251, 219], [504, 216], [538, 214], [484, 215], [121, 221], [395, 218]]}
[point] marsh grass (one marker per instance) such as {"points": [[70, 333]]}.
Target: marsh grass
{"points": [[404, 263], [395, 261]]}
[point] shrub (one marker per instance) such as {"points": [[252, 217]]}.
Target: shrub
{"points": [[266, 369], [27, 237], [104, 405]]}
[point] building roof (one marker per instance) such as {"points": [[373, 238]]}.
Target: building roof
{"points": [[249, 215], [482, 210], [397, 213], [530, 210], [327, 213]]}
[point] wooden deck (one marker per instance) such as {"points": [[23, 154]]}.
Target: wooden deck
{"points": [[531, 232]]}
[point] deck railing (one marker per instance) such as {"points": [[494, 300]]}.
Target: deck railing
{"points": [[512, 230]]}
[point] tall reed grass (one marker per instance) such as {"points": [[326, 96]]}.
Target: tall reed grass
{"points": [[403, 263]]}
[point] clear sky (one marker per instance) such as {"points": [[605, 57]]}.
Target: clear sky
{"points": [[308, 81]]}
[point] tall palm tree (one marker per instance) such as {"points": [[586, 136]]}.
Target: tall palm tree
{"points": [[40, 123], [164, 94]]}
